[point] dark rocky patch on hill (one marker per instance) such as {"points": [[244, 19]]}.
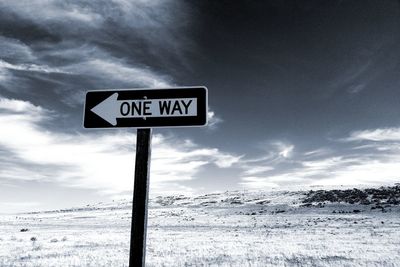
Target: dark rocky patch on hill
{"points": [[379, 198]]}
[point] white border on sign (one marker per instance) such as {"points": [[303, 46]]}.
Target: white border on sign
{"points": [[140, 89]]}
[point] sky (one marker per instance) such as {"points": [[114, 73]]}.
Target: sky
{"points": [[301, 93]]}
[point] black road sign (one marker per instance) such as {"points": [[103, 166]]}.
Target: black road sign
{"points": [[146, 108]]}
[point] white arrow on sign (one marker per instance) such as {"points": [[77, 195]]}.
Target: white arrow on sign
{"points": [[111, 108]]}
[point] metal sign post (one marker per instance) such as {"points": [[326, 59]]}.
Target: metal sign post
{"points": [[140, 198], [144, 109]]}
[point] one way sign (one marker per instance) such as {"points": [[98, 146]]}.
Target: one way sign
{"points": [[145, 108]]}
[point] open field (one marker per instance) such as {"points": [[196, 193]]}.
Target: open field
{"points": [[276, 228]]}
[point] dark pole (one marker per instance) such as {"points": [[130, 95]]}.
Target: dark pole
{"points": [[140, 198]]}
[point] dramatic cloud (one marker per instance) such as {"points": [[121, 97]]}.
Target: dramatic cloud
{"points": [[51, 52], [279, 101], [107, 44]]}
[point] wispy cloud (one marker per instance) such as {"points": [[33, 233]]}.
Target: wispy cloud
{"points": [[213, 120], [52, 11], [30, 67], [99, 161], [381, 134], [106, 44], [116, 70], [285, 150], [257, 183], [375, 162], [278, 149], [257, 170], [65, 48], [14, 49], [15, 105]]}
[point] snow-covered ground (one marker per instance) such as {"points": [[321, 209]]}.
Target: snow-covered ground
{"points": [[274, 228]]}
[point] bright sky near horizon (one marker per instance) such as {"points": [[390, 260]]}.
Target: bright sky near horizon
{"points": [[300, 93]]}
